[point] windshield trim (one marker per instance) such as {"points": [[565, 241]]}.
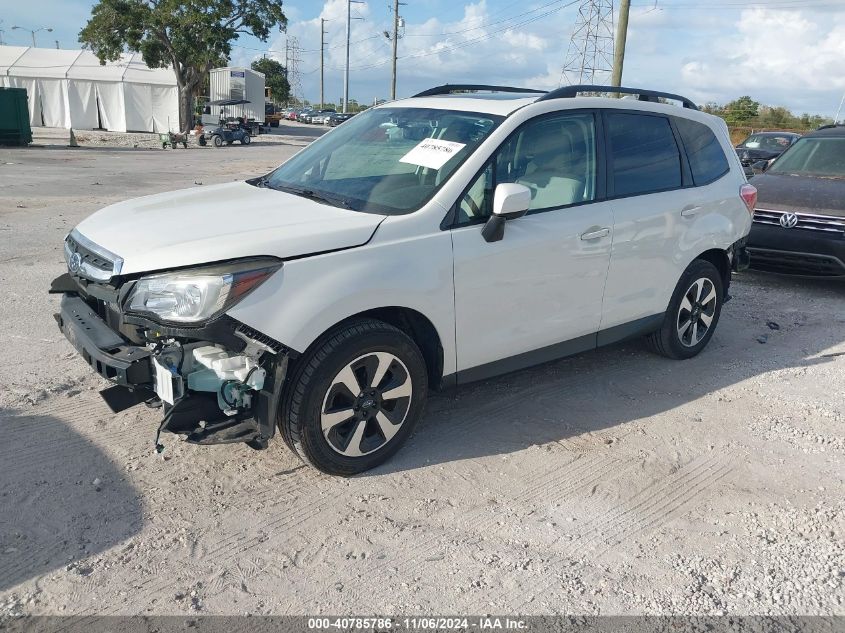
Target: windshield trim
{"points": [[351, 204]]}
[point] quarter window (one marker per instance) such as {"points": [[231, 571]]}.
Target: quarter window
{"points": [[704, 152], [645, 156]]}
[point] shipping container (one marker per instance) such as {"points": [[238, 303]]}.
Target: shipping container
{"points": [[237, 83]]}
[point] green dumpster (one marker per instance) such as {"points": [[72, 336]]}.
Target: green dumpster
{"points": [[14, 117]]}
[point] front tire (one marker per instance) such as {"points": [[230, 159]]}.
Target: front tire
{"points": [[354, 397], [693, 313], [216, 141]]}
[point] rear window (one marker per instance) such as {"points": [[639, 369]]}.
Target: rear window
{"points": [[704, 152], [645, 157]]}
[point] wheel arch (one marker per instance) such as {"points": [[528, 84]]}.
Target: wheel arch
{"points": [[413, 323], [720, 259]]}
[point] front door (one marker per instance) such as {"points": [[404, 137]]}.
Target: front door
{"points": [[536, 294]]}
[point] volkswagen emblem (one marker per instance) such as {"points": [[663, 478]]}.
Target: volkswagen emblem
{"points": [[788, 220], [74, 263]]}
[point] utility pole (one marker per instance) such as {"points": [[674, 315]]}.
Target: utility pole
{"points": [[287, 78], [621, 37], [395, 38], [346, 71], [322, 63]]}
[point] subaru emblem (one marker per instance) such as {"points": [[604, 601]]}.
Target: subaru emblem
{"points": [[75, 263]]}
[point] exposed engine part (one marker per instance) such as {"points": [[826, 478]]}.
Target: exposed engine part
{"points": [[191, 377], [232, 376]]}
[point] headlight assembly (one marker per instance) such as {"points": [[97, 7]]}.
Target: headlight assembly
{"points": [[198, 294]]}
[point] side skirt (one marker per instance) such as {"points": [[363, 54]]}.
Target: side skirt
{"points": [[633, 329]]}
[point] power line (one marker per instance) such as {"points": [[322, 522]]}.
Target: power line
{"points": [[471, 41]]}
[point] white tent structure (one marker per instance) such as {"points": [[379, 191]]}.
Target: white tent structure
{"points": [[70, 88]]}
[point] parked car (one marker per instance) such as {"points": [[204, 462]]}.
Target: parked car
{"points": [[425, 243], [304, 115], [337, 118], [763, 146], [321, 116], [799, 221]]}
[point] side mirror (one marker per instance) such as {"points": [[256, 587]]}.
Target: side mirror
{"points": [[760, 166], [510, 201]]}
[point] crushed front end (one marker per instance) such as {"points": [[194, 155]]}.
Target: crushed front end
{"points": [[164, 339]]}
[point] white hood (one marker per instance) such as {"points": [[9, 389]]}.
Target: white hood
{"points": [[208, 224]]}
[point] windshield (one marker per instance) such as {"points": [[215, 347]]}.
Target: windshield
{"points": [[813, 157], [769, 142], [385, 160]]}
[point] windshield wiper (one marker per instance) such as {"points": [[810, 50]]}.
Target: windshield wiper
{"points": [[317, 197], [262, 182]]}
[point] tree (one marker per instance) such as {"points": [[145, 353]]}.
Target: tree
{"points": [[740, 111], [275, 78], [190, 36]]}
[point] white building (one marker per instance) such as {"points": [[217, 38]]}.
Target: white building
{"points": [[70, 88]]}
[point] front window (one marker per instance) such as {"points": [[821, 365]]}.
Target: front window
{"points": [[386, 160], [819, 156], [554, 156]]}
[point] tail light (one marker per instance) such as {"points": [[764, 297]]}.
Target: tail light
{"points": [[748, 193]]}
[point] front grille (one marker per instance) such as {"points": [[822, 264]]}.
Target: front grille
{"points": [[88, 256], [86, 259], [806, 221], [796, 263]]}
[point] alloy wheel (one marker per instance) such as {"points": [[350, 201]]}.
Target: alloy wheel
{"points": [[366, 404], [696, 312]]}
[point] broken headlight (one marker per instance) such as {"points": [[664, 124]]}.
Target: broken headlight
{"points": [[198, 294]]}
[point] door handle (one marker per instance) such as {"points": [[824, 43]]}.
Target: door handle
{"points": [[594, 235], [690, 211]]}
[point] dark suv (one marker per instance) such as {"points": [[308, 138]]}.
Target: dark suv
{"points": [[799, 221]]}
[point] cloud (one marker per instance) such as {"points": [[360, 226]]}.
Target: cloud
{"points": [[779, 56]]}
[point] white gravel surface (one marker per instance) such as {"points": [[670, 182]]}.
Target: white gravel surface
{"points": [[615, 482]]}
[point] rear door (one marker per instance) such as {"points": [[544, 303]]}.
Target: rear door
{"points": [[647, 180]]}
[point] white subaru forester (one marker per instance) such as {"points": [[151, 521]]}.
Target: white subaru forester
{"points": [[427, 242]]}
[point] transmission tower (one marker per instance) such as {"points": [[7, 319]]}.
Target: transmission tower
{"points": [[589, 58], [293, 54]]}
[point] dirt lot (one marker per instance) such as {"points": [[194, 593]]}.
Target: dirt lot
{"points": [[612, 482]]}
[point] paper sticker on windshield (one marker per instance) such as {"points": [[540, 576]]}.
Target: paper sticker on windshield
{"points": [[432, 152]]}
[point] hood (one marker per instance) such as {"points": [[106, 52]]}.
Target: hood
{"points": [[751, 154], [220, 222], [801, 194]]}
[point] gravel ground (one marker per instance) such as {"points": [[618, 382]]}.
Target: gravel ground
{"points": [[614, 482]]}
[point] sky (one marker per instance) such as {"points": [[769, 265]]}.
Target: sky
{"points": [[780, 52]]}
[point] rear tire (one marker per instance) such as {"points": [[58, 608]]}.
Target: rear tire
{"points": [[693, 313], [245, 139], [341, 432]]}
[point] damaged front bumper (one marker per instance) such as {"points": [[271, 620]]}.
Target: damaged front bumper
{"points": [[196, 374]]}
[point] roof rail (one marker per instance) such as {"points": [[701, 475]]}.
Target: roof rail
{"points": [[449, 88], [643, 95]]}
